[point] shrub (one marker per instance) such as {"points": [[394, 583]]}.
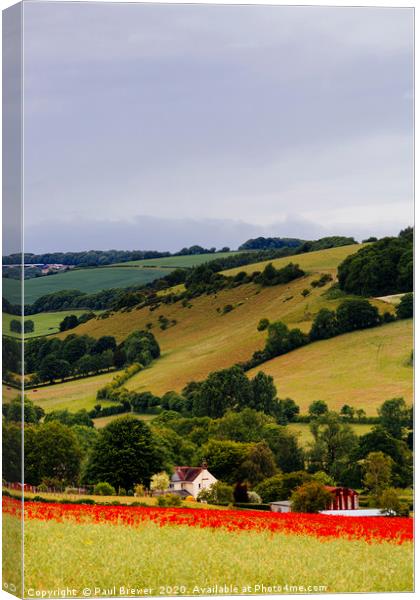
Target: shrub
{"points": [[356, 314], [104, 489], [323, 280], [254, 498], [122, 492], [169, 500], [310, 497], [240, 492], [218, 493], [263, 324], [139, 490], [391, 505], [227, 308], [405, 308], [271, 489]]}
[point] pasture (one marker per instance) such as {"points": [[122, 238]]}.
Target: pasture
{"points": [[204, 340], [44, 323], [362, 369], [368, 367], [325, 261], [73, 395], [174, 262], [85, 280]]}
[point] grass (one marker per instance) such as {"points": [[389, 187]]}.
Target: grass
{"points": [[173, 262], [325, 261], [102, 421], [203, 340], [362, 369], [85, 280], [305, 436], [101, 556], [44, 323], [73, 395]]}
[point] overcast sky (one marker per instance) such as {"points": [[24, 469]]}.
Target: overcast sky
{"points": [[157, 127]]}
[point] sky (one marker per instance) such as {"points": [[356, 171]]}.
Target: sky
{"points": [[162, 126]]}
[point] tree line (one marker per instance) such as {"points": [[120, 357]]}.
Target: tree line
{"points": [[245, 449], [51, 359]]}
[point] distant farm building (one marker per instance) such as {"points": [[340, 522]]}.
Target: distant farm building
{"points": [[189, 481], [282, 506], [343, 498]]}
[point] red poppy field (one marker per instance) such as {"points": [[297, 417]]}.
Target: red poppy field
{"points": [[150, 547]]}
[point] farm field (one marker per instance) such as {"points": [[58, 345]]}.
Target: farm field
{"points": [[191, 348], [325, 261], [85, 280], [73, 395], [367, 368], [68, 545], [173, 262], [44, 323]]}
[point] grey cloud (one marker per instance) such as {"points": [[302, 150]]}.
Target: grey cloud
{"points": [[216, 113], [145, 232]]}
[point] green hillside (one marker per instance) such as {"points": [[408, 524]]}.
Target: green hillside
{"points": [[85, 280], [44, 323], [362, 368], [173, 262]]}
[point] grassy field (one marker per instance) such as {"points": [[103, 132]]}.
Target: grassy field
{"points": [[305, 437], [325, 261], [85, 280], [73, 395], [173, 262], [362, 369], [204, 340], [44, 323], [102, 421], [60, 555]]}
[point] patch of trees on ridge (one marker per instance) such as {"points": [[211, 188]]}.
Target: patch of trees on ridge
{"points": [[262, 243], [382, 268], [98, 258], [51, 359]]}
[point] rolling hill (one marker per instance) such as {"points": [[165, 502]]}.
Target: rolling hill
{"points": [[203, 340], [95, 279], [363, 368]]}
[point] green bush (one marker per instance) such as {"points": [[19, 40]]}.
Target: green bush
{"points": [[405, 308], [169, 500], [104, 489]]}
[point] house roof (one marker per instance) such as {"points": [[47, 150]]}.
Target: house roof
{"points": [[333, 489], [186, 473]]}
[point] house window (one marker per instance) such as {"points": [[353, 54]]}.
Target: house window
{"points": [[199, 486]]}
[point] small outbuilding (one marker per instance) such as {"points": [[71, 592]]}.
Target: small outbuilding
{"points": [[343, 498], [281, 506]]}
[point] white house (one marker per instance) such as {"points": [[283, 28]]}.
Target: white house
{"points": [[189, 481]]}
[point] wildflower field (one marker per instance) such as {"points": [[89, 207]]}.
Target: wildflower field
{"points": [[113, 550]]}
